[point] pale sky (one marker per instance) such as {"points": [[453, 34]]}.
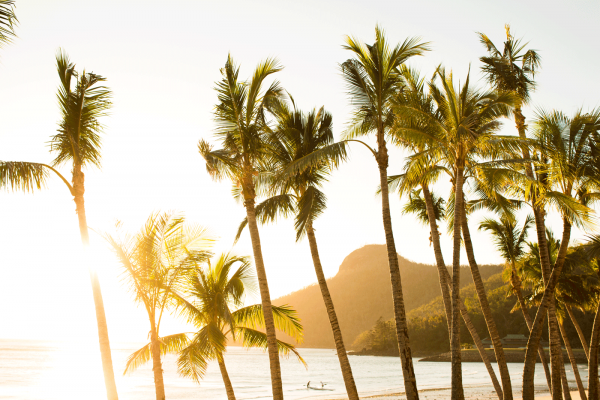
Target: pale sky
{"points": [[161, 60]]}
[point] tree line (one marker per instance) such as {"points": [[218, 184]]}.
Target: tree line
{"points": [[278, 157]]}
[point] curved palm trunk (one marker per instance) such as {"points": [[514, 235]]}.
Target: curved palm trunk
{"points": [[550, 283], [485, 308], [335, 327], [593, 393], [225, 375], [159, 384], [266, 302], [408, 372], [107, 365], [445, 282], [439, 257], [579, 332], [457, 385], [580, 387], [516, 283]]}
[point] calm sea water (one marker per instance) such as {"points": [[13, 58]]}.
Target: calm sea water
{"points": [[35, 370]]}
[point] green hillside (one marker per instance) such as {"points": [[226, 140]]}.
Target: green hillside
{"points": [[361, 292], [428, 329]]}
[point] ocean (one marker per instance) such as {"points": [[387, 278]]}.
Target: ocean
{"points": [[36, 370]]}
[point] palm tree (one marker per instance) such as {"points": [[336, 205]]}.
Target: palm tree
{"points": [[82, 103], [566, 180], [513, 70], [510, 242], [244, 158], [372, 78], [423, 207], [155, 263], [577, 285], [208, 299], [455, 129], [298, 135]]}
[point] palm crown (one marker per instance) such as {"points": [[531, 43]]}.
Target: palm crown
{"points": [[513, 69], [82, 103], [213, 301]]}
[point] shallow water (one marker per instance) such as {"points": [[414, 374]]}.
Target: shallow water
{"points": [[51, 370]]}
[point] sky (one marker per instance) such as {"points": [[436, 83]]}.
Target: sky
{"points": [[161, 60]]}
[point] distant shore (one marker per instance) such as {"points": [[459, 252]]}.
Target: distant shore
{"points": [[471, 355]]}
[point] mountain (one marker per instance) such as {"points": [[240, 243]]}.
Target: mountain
{"points": [[361, 292]]}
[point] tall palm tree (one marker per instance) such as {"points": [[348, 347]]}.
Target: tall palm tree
{"points": [[155, 263], [432, 205], [244, 159], [208, 301], [567, 181], [83, 100], [577, 285], [296, 136], [457, 129], [372, 79]]}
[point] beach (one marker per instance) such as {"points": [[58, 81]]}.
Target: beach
{"points": [[36, 370]]}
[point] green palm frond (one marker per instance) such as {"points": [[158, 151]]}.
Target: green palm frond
{"points": [[8, 21], [268, 211], [253, 338], [23, 176], [193, 359], [335, 153], [416, 205], [82, 105], [286, 319], [311, 204], [168, 344]]}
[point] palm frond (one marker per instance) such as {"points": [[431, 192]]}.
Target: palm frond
{"points": [[253, 338], [23, 176], [8, 21]]}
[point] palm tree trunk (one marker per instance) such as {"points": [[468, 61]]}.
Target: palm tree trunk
{"points": [[485, 308], [408, 372], [107, 365], [159, 384], [550, 283], [565, 382], [579, 332], [225, 375], [457, 385], [335, 327], [445, 282], [439, 257], [266, 302], [573, 362], [556, 356], [593, 393], [516, 282]]}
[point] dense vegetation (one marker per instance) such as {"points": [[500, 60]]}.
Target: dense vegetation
{"points": [[429, 327]]}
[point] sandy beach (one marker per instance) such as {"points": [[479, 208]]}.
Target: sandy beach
{"points": [[471, 393]]}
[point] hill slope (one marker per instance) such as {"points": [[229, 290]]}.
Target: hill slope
{"points": [[361, 292]]}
